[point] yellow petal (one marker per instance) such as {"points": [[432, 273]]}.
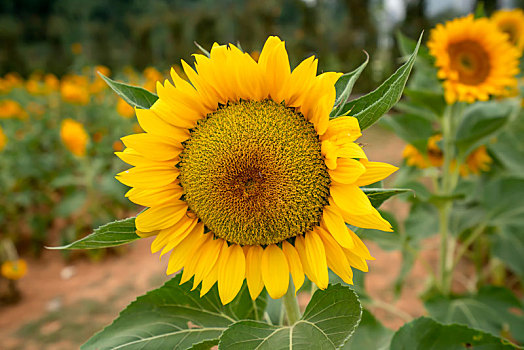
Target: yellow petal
{"points": [[253, 271], [168, 234], [275, 62], [158, 218], [375, 171], [207, 259], [178, 235], [295, 266], [356, 261], [300, 246], [351, 199], [155, 125], [211, 278], [296, 87], [347, 171], [360, 248], [342, 128], [194, 259], [148, 177], [373, 220], [336, 258], [132, 157], [275, 271], [156, 196], [231, 272], [317, 258], [334, 223], [181, 253], [153, 147]]}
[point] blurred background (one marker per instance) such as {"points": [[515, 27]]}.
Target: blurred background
{"points": [[60, 125]]}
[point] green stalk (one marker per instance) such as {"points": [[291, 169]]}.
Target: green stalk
{"points": [[291, 305], [448, 184]]}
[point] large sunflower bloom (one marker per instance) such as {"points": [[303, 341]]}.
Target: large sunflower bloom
{"points": [[511, 22], [474, 58], [246, 177]]}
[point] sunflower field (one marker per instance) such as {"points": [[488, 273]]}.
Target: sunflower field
{"points": [[247, 174]]}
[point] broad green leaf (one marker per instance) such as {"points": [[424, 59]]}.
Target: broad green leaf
{"points": [[422, 222], [493, 309], [428, 99], [377, 196], [508, 246], [113, 234], [509, 147], [481, 121], [425, 333], [134, 95], [370, 334], [328, 321], [369, 108], [174, 317], [412, 128], [344, 86], [503, 199]]}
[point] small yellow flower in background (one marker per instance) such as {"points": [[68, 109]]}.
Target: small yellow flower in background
{"points": [[51, 82], [74, 136], [76, 48], [98, 85], [434, 155], [124, 109], [268, 180], [11, 109], [511, 22], [3, 139], [75, 89], [474, 58], [137, 129], [118, 146], [476, 162], [255, 55], [14, 270], [152, 75]]}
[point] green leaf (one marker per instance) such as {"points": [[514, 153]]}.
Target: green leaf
{"points": [[369, 108], [134, 95], [377, 196], [508, 246], [428, 99], [344, 86], [174, 317], [503, 199], [481, 121], [425, 333], [370, 334], [109, 235], [493, 310], [329, 320], [412, 128], [509, 148]]}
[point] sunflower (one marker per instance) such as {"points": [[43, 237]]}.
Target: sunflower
{"points": [[511, 22], [74, 136], [474, 58], [434, 155], [477, 161], [246, 177]]}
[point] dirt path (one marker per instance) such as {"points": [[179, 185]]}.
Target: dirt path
{"points": [[63, 305]]}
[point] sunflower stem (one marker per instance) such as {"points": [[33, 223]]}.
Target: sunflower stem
{"points": [[291, 305], [448, 183]]}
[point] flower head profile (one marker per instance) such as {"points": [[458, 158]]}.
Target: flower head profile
{"points": [[511, 22], [246, 178], [74, 136], [474, 59]]}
